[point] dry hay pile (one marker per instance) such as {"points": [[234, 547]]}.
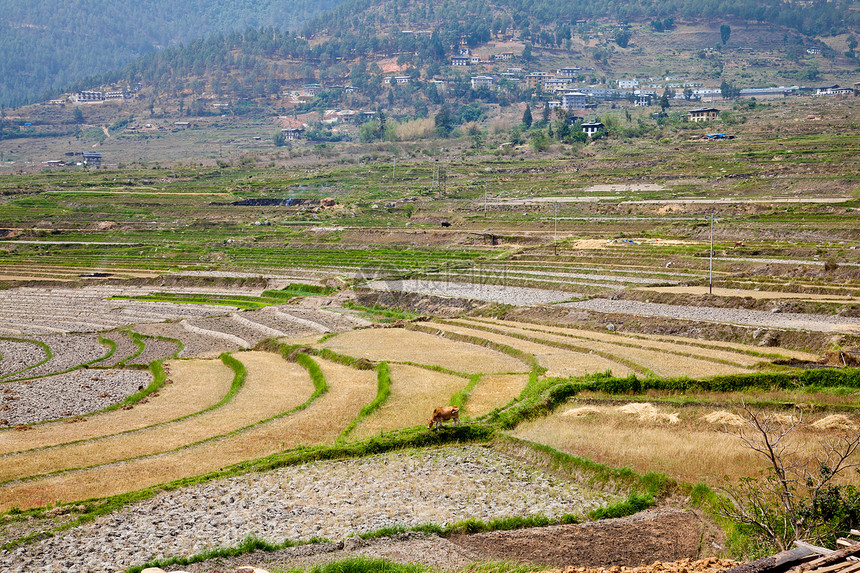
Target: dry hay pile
{"points": [[709, 565], [835, 422], [581, 411], [649, 413], [723, 418]]}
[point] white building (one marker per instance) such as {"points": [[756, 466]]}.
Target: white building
{"points": [[482, 81], [628, 84], [573, 100]]}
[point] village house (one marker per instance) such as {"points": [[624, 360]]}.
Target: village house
{"points": [[474, 59], [591, 128], [704, 114], [643, 100], [89, 97], [557, 84], [482, 81], [568, 72], [292, 134], [464, 50], [628, 84], [92, 158], [181, 124], [553, 104], [537, 79], [763, 93], [460, 61], [504, 56], [312, 89], [573, 100]]}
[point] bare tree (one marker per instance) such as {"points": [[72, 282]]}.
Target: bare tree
{"points": [[797, 496]]}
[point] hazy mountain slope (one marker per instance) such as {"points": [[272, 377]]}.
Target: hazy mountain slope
{"points": [[47, 44]]}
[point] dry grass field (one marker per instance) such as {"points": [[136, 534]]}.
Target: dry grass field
{"points": [[685, 443], [494, 391], [399, 345], [414, 393]]}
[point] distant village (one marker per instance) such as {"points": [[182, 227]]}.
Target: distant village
{"points": [[572, 89]]}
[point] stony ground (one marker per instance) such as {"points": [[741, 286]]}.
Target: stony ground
{"points": [[660, 540], [71, 394], [332, 500]]}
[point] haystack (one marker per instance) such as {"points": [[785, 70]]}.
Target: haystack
{"points": [[723, 418], [649, 413], [835, 422]]}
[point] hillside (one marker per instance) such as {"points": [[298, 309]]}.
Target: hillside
{"points": [[47, 45]]}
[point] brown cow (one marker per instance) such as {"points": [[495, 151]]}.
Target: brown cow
{"points": [[444, 413]]}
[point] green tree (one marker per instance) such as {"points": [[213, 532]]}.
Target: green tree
{"points": [[622, 37], [527, 116], [725, 33], [279, 138], [78, 115]]}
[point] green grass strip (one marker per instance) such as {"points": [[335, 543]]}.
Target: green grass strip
{"points": [[110, 343], [383, 391], [138, 341], [48, 354], [459, 399]]}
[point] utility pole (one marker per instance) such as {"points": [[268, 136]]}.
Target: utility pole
{"points": [[711, 260], [485, 199], [555, 230], [394, 169]]}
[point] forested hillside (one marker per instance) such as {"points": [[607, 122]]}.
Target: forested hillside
{"points": [[46, 44], [539, 19]]}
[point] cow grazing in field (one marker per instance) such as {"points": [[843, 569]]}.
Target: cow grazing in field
{"points": [[444, 413]]}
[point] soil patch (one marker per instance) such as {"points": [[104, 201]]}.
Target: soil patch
{"points": [[665, 534]]}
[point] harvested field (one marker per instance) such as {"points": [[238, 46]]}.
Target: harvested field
{"points": [[663, 358], [70, 394], [194, 386], [685, 443], [742, 354], [414, 393], [264, 395], [755, 318], [196, 345], [230, 326], [326, 499], [495, 391], [15, 356], [125, 348], [575, 364], [318, 424], [89, 308], [399, 345], [758, 294], [488, 292], [155, 349], [69, 351], [561, 362]]}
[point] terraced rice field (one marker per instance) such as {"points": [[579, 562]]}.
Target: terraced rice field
{"points": [[398, 345], [194, 385], [414, 393], [495, 391], [196, 425]]}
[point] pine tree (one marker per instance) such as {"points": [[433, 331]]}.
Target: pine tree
{"points": [[527, 116]]}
